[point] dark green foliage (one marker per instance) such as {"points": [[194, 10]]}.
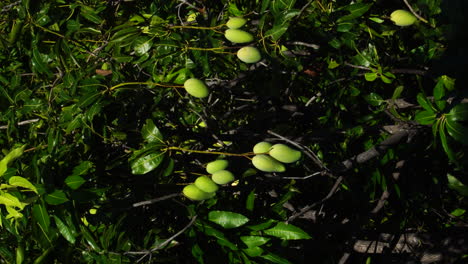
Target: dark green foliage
{"points": [[95, 123]]}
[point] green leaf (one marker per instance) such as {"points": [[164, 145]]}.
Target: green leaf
{"points": [[457, 185], [22, 182], [422, 100], [39, 62], [90, 14], [356, 11], [147, 163], [277, 31], [142, 45], [261, 226], [286, 232], [227, 219], [275, 259], [439, 90], [10, 200], [74, 182], [425, 117], [253, 251], [458, 113], [82, 168], [374, 99], [250, 202], [458, 212], [10, 157], [254, 241], [457, 131], [64, 230], [57, 197], [42, 217], [151, 132], [443, 141], [448, 82], [221, 238], [370, 76]]}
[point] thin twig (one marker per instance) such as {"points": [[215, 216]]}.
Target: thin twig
{"points": [[309, 207], [25, 122], [303, 178], [414, 13], [155, 200], [145, 253]]}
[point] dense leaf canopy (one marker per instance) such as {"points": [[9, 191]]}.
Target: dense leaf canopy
{"points": [[100, 131]]}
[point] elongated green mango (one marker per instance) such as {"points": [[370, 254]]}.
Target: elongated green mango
{"points": [[267, 164], [206, 184], [194, 193], [236, 22], [249, 55], [222, 177], [238, 36], [196, 88], [262, 147], [216, 165], [284, 153], [402, 18]]}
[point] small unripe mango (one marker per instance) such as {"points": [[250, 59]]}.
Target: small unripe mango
{"points": [[238, 36], [402, 18], [216, 165], [267, 164], [284, 153], [236, 22], [196, 88], [222, 177], [206, 184], [262, 147], [194, 193], [249, 55]]}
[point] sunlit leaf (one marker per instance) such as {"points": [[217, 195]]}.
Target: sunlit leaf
{"points": [[22, 182], [147, 163], [227, 219]]}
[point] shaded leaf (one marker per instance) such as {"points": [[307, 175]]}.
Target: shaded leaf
{"points": [[74, 182], [457, 131], [151, 133], [42, 217], [275, 259], [457, 185], [458, 113], [356, 11], [254, 241], [64, 230], [227, 219], [147, 163], [425, 117], [57, 197]]}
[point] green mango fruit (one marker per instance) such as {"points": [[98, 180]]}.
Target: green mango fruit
{"points": [[284, 153], [267, 164], [238, 36], [236, 22], [249, 55], [222, 177], [402, 18], [262, 147], [196, 88], [216, 165], [206, 184], [194, 193]]}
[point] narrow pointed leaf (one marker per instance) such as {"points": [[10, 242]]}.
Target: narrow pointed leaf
{"points": [[22, 182], [42, 217], [227, 219], [287, 232], [147, 163], [64, 230]]}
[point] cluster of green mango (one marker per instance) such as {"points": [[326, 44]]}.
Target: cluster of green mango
{"points": [[270, 158], [246, 54], [205, 187]]}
